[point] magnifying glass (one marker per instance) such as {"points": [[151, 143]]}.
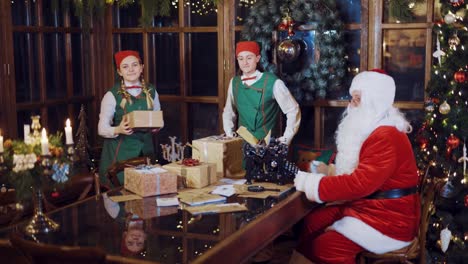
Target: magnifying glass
{"points": [[258, 188]]}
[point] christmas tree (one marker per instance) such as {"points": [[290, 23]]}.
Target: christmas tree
{"points": [[81, 157], [441, 140]]}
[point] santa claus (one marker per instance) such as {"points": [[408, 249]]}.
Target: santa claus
{"points": [[375, 181]]}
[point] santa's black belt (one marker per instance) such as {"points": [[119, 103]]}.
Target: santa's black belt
{"points": [[393, 193]]}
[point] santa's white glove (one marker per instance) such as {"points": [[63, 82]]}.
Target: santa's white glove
{"points": [[300, 180], [230, 134], [283, 140]]}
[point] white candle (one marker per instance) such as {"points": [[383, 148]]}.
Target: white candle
{"points": [[44, 143], [1, 144], [68, 133], [27, 130]]}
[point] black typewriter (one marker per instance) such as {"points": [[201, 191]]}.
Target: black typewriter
{"points": [[268, 163]]}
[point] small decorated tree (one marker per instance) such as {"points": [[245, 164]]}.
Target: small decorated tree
{"points": [[81, 157]]}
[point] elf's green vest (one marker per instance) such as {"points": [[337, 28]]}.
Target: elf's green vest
{"points": [[125, 147], [256, 107]]}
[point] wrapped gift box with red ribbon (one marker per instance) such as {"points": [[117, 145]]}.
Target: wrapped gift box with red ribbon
{"points": [[226, 153], [196, 174], [147, 180]]}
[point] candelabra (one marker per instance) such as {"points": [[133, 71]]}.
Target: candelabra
{"points": [[174, 152]]}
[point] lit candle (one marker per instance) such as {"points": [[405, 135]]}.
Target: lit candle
{"points": [[1, 142], [44, 143], [27, 130], [68, 133]]}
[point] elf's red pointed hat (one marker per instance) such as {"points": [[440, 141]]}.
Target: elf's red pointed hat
{"points": [[251, 46], [121, 55]]}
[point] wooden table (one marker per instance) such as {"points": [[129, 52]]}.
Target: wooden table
{"points": [[87, 223]]}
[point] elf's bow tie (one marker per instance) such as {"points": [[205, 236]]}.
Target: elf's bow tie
{"points": [[249, 78]]}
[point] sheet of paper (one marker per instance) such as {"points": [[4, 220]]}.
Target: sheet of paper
{"points": [[123, 198], [226, 190], [233, 181], [167, 201]]}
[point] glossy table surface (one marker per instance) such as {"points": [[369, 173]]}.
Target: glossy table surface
{"points": [[171, 234]]}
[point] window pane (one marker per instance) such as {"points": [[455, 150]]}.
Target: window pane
{"points": [[404, 11], [27, 88], [55, 65], [126, 17], [77, 65], [200, 13], [23, 12], [74, 20], [128, 41], [163, 62], [202, 67], [404, 59], [204, 120], [57, 115], [305, 134], [350, 10], [331, 121], [168, 21], [52, 14], [353, 52], [242, 10]]}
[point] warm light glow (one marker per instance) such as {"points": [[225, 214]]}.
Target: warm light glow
{"points": [[44, 136]]}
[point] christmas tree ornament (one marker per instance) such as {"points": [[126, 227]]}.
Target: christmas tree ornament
{"points": [[453, 141], [459, 76], [444, 108], [287, 23], [466, 200], [448, 190], [422, 142], [463, 159], [289, 50], [438, 53], [454, 41], [429, 106], [445, 236], [450, 18], [456, 2]]}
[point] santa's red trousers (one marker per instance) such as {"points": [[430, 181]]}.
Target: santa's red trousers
{"points": [[322, 246]]}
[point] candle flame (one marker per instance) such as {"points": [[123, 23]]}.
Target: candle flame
{"points": [[68, 123]]}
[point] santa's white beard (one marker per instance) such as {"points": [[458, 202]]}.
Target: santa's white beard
{"points": [[353, 129]]}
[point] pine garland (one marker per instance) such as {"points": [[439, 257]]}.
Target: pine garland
{"points": [[313, 81]]}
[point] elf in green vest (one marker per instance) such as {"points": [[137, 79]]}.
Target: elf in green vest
{"points": [[255, 98], [130, 94]]}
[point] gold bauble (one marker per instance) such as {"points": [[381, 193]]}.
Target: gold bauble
{"points": [[444, 108]]}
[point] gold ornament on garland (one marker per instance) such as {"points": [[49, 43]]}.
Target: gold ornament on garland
{"points": [[444, 108], [454, 41], [287, 23]]}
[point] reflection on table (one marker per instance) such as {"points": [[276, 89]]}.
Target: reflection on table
{"points": [[140, 229]]}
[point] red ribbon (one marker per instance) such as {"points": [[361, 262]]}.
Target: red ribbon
{"points": [[190, 162]]}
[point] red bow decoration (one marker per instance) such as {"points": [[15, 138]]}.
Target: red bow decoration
{"points": [[190, 162], [249, 78], [133, 86]]}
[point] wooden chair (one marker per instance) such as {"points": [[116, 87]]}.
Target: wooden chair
{"points": [[51, 254], [117, 167], [76, 188], [414, 251], [10, 254]]}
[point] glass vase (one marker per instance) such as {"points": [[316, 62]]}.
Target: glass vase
{"points": [[40, 223]]}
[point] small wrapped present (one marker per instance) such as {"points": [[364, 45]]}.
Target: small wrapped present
{"points": [[145, 119], [147, 180], [226, 153], [196, 176], [148, 208]]}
